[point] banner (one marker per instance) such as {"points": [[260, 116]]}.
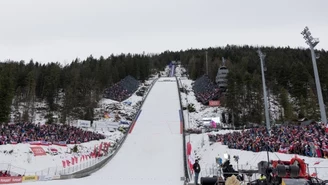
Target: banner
{"points": [[45, 178], [83, 123], [191, 157], [60, 143], [10, 180], [30, 178], [38, 151], [56, 177], [215, 103], [105, 124]]}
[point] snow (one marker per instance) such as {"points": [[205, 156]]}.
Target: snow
{"points": [[207, 151], [17, 162], [194, 119], [247, 160], [21, 161], [152, 153]]}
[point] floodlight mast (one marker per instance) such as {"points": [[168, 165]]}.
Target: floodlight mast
{"points": [[312, 42], [265, 97]]}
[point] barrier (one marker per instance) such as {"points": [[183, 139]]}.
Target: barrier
{"points": [[134, 122], [29, 178], [96, 167], [185, 163], [46, 178], [10, 180]]}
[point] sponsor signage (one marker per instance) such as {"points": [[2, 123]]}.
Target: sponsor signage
{"points": [[215, 103], [45, 178], [10, 180], [38, 151], [56, 177], [30, 178], [105, 124], [84, 123]]}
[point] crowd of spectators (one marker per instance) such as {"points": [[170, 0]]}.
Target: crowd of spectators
{"points": [[308, 140], [28, 132], [205, 90], [4, 174], [122, 89]]}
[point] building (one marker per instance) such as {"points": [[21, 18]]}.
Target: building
{"points": [[221, 77]]}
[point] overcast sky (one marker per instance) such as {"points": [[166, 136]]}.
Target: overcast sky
{"points": [[61, 30]]}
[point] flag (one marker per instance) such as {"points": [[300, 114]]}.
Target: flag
{"points": [[76, 159], [64, 164], [213, 124], [73, 160], [68, 162]]}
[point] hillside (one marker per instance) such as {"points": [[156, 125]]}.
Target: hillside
{"points": [[74, 90]]}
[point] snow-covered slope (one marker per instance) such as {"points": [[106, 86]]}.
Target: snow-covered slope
{"points": [[152, 153]]}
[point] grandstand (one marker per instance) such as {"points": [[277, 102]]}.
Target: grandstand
{"points": [[122, 89], [306, 140], [29, 132], [205, 90]]}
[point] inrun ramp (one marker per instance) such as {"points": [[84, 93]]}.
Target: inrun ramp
{"points": [[153, 151]]}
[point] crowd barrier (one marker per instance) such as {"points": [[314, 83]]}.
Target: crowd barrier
{"points": [[185, 163]]}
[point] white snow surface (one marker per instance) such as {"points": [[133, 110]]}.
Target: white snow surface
{"points": [[152, 152]]}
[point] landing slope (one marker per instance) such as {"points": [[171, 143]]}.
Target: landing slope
{"points": [[152, 153]]}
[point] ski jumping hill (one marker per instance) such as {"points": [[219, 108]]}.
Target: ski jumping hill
{"points": [[153, 152]]}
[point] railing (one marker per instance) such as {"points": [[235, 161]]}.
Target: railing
{"points": [[186, 170]]}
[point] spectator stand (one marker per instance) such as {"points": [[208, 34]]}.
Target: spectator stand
{"points": [[306, 140], [205, 90], [122, 89], [50, 134]]}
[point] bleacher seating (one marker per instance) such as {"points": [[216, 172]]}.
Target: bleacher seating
{"points": [[307, 140], [122, 89], [28, 132], [205, 90]]}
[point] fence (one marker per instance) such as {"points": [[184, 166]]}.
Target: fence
{"points": [[185, 163]]}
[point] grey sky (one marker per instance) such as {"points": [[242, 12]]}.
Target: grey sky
{"points": [[61, 30]]}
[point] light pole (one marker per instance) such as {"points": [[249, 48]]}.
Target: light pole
{"points": [[206, 62], [265, 97], [312, 42]]}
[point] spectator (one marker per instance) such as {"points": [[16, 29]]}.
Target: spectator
{"points": [[25, 132], [196, 168], [309, 140], [122, 90], [205, 90]]}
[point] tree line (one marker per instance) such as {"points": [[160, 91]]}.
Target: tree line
{"points": [[79, 85], [72, 90], [289, 79]]}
